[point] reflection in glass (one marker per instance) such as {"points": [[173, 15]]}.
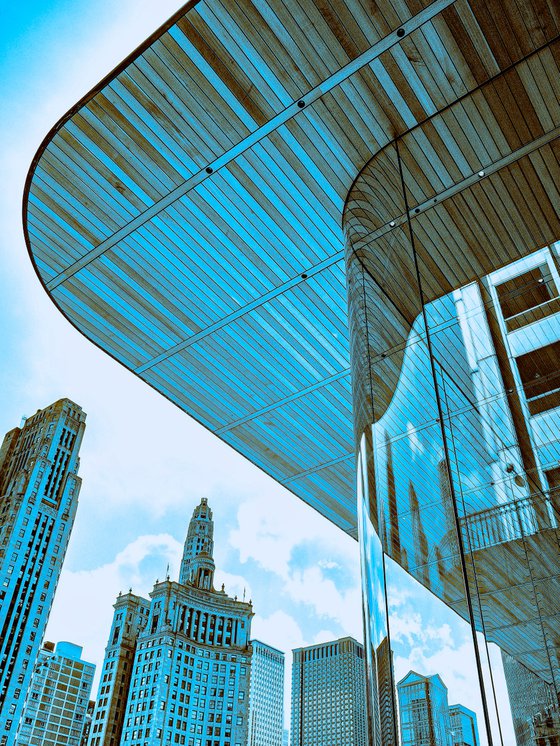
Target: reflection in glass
{"points": [[457, 416]]}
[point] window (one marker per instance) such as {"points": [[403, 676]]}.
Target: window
{"points": [[540, 376], [528, 297]]}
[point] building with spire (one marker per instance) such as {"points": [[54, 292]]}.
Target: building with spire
{"points": [[39, 490], [180, 662]]}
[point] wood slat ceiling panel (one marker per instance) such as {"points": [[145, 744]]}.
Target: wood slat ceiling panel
{"points": [[206, 298], [309, 349], [258, 180], [308, 442], [330, 491], [115, 318], [89, 317]]}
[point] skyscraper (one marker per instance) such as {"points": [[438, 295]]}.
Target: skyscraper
{"points": [[424, 710], [328, 694], [129, 619], [189, 680], [535, 706], [266, 696], [464, 728], [39, 490], [58, 697]]}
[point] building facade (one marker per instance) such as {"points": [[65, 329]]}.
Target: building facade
{"points": [[266, 696], [39, 490], [129, 619], [88, 722], [463, 725], [188, 657], [57, 701], [328, 695], [534, 706], [424, 711]]}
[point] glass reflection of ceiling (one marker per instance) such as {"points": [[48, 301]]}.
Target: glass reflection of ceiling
{"points": [[186, 215]]}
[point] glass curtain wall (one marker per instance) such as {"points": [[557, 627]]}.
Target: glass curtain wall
{"points": [[455, 366]]}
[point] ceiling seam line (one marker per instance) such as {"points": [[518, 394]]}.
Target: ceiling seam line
{"points": [[485, 171], [422, 208], [287, 400], [320, 467], [249, 308]]}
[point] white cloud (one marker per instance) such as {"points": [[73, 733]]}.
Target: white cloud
{"points": [[282, 632], [234, 585], [287, 539], [89, 595], [416, 445], [328, 602]]}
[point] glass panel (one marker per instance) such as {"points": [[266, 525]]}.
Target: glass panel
{"points": [[458, 530]]}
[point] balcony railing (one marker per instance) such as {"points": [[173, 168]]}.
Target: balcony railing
{"points": [[508, 522]]}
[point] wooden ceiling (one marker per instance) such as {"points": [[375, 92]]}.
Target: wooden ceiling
{"points": [[186, 215]]}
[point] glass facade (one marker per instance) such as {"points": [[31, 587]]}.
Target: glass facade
{"points": [[455, 376]]}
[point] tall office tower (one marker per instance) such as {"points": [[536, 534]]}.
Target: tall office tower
{"points": [[129, 619], [424, 710], [266, 696], [192, 662], [58, 697], [39, 490], [533, 702], [463, 726], [328, 694], [385, 692]]}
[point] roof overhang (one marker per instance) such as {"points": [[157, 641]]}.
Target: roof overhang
{"points": [[186, 215]]}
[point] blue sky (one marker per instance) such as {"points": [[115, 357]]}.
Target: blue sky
{"points": [[144, 463]]}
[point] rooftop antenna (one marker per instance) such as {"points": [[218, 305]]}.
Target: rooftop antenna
{"points": [[243, 594], [167, 572]]}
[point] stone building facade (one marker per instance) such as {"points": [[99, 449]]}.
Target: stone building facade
{"points": [[39, 490], [187, 656]]}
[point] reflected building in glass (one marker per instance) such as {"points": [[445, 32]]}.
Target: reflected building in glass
{"points": [[424, 711], [343, 262], [463, 726]]}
